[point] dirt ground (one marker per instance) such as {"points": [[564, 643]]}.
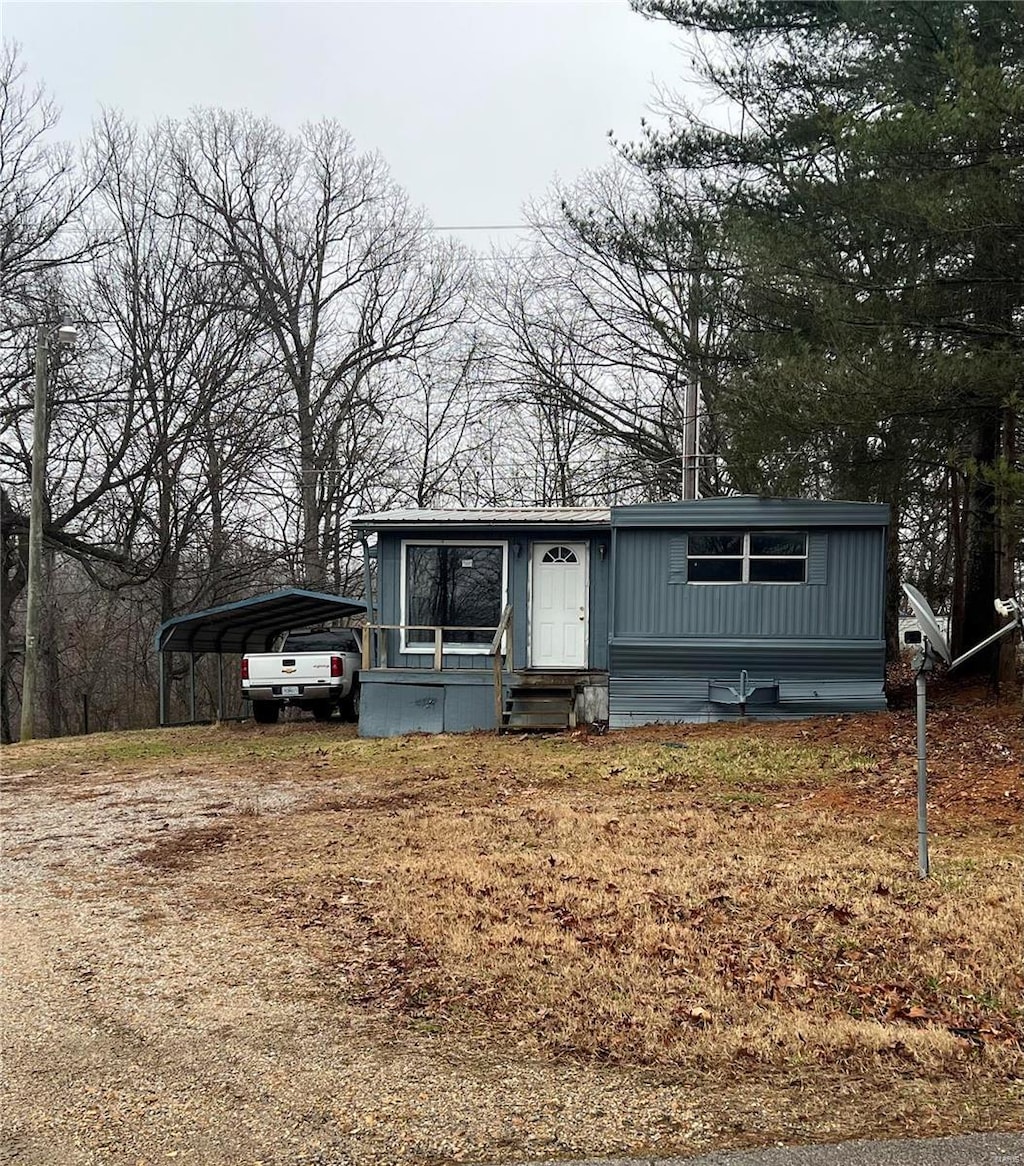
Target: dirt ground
{"points": [[174, 991]]}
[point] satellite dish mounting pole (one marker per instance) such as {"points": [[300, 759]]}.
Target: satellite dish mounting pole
{"points": [[933, 648], [924, 668]]}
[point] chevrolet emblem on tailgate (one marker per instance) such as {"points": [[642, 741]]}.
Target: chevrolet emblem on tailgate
{"points": [[288, 670]]}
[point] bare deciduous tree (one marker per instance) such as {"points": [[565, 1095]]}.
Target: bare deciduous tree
{"points": [[41, 193], [344, 278], [616, 321]]}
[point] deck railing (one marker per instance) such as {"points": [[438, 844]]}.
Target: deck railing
{"points": [[379, 658], [500, 648]]}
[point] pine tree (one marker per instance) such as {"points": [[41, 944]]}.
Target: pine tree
{"points": [[872, 185]]}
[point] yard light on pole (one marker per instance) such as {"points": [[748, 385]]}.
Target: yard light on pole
{"points": [[65, 336]]}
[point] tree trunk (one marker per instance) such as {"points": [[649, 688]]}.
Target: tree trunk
{"points": [[313, 574], [980, 551], [994, 311], [167, 570], [218, 538], [1008, 537], [13, 577]]}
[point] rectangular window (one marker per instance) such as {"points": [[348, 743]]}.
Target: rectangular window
{"points": [[460, 587], [747, 557], [715, 558], [321, 640]]}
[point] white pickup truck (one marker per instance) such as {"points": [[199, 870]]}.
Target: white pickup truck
{"points": [[316, 669]]}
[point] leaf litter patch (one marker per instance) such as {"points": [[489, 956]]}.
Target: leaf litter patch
{"points": [[185, 848]]}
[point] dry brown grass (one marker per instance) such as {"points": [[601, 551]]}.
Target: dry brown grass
{"points": [[641, 903], [725, 900]]}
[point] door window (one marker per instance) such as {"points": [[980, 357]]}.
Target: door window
{"points": [[560, 555]]}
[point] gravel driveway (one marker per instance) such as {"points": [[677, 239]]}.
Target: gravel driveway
{"points": [[144, 1026], [964, 1150], [143, 1023]]}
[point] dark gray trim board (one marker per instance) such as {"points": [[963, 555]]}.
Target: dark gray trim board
{"points": [[726, 656], [750, 511]]}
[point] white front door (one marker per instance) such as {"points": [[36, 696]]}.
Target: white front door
{"points": [[558, 605]]}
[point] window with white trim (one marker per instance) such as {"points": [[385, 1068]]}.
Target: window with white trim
{"points": [[457, 586], [760, 556]]}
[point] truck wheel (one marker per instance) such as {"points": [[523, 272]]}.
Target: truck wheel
{"points": [[322, 710], [350, 706], [265, 712]]}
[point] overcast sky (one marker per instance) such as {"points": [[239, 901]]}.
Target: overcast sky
{"points": [[476, 106]]}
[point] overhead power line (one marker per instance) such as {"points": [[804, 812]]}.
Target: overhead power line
{"points": [[484, 227]]}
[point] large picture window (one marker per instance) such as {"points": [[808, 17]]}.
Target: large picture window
{"points": [[457, 586], [747, 557]]}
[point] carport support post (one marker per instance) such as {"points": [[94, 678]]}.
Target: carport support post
{"points": [[192, 685], [220, 684], [161, 660]]}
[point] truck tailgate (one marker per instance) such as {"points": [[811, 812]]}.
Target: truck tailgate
{"points": [[301, 668]]}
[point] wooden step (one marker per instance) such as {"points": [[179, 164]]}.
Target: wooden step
{"points": [[544, 721], [567, 695], [540, 708], [518, 700]]}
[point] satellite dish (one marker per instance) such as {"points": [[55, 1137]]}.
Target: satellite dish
{"points": [[935, 646], [929, 624]]}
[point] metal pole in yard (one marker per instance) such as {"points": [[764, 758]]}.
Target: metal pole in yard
{"points": [[922, 771], [85, 713]]}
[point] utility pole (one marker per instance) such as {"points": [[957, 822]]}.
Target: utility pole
{"points": [[691, 440], [691, 399], [65, 335]]}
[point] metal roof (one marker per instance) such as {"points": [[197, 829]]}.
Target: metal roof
{"points": [[493, 516], [252, 624]]}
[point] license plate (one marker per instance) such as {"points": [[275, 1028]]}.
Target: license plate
{"points": [[289, 690]]}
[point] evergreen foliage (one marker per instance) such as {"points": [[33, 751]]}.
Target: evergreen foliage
{"points": [[871, 184]]}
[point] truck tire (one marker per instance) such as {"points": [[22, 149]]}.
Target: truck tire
{"points": [[350, 705], [322, 710], [265, 712]]}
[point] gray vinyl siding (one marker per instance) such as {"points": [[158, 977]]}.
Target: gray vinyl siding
{"points": [[682, 651], [634, 701], [841, 598], [423, 701]]}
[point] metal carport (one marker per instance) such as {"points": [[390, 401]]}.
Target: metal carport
{"points": [[248, 625]]}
